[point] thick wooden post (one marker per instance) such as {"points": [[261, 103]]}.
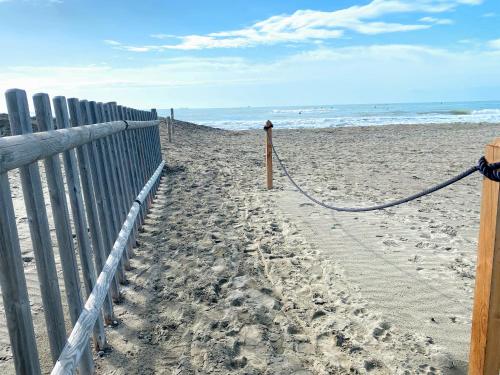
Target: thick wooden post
{"points": [[172, 121], [169, 129], [269, 153], [484, 356]]}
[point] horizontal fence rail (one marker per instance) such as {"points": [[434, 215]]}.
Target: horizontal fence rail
{"points": [[102, 165], [19, 150]]}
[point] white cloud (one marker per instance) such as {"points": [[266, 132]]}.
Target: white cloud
{"points": [[373, 73], [50, 2], [162, 36], [489, 15], [495, 44], [312, 25], [436, 21], [112, 42]]}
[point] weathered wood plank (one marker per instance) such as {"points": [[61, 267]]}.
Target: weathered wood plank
{"points": [[57, 195], [80, 220], [101, 196], [136, 183], [19, 150], [115, 200], [20, 122], [124, 158], [122, 207], [128, 165], [113, 215], [114, 221], [84, 167], [14, 290]]}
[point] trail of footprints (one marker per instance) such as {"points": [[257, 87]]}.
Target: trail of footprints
{"points": [[330, 319]]}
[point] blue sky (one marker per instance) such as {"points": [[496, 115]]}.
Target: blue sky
{"points": [[240, 53]]}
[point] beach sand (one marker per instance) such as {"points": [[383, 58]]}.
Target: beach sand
{"points": [[232, 278]]}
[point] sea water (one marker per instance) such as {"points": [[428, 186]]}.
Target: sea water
{"points": [[325, 116]]}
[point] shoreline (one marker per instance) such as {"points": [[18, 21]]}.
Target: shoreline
{"points": [[277, 128]]}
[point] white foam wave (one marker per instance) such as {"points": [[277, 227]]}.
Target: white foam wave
{"points": [[493, 111], [304, 110]]}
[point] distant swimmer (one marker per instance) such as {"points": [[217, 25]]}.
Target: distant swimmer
{"points": [[300, 112]]}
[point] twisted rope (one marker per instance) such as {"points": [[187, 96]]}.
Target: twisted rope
{"points": [[488, 170]]}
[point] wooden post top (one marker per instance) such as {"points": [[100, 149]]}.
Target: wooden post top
{"points": [[494, 143]]}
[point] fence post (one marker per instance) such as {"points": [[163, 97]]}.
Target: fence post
{"points": [[127, 172], [119, 194], [57, 194], [88, 194], [129, 138], [14, 290], [20, 123], [269, 153], [169, 129], [113, 182], [79, 218], [484, 356], [172, 121]]}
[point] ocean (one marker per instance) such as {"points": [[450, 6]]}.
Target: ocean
{"points": [[325, 116]]}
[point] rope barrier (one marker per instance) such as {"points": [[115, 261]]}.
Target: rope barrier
{"points": [[487, 170]]}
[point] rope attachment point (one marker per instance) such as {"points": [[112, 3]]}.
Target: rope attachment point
{"points": [[268, 125], [489, 170]]}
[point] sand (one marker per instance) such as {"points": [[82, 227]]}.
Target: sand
{"points": [[235, 279], [232, 278]]}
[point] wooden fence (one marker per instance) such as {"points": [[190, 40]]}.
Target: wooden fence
{"points": [[111, 168]]}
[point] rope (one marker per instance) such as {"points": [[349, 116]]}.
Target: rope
{"points": [[488, 170]]}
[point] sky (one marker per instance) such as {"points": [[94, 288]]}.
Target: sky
{"points": [[238, 53]]}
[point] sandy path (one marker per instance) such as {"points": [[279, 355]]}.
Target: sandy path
{"points": [[389, 278], [199, 300]]}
